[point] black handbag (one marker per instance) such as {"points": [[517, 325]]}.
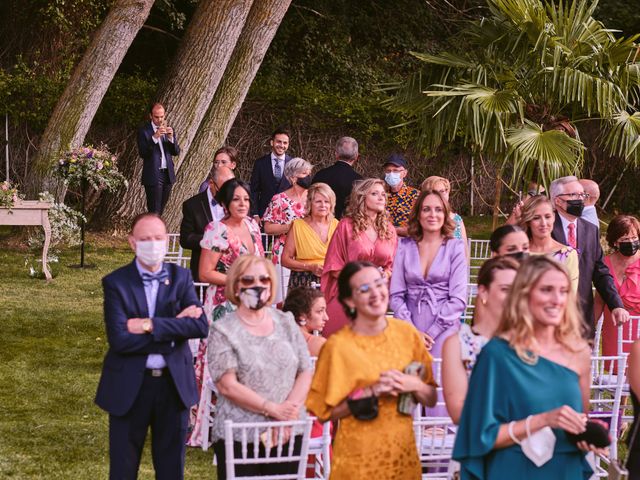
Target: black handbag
{"points": [[365, 408]]}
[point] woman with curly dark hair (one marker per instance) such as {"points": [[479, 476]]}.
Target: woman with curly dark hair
{"points": [[309, 310], [366, 234]]}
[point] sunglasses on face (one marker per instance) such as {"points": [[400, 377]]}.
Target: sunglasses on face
{"points": [[249, 280], [368, 287]]}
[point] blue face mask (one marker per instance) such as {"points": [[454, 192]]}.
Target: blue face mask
{"points": [[393, 179]]}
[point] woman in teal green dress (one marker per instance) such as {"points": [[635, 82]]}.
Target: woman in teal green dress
{"points": [[535, 370]]}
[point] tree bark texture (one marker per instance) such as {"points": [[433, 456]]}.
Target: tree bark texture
{"points": [[191, 82], [89, 82], [260, 28]]}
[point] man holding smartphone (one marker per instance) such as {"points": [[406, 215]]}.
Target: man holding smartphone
{"points": [[157, 144]]}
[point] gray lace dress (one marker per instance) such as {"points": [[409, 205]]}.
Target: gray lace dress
{"points": [[268, 365]]}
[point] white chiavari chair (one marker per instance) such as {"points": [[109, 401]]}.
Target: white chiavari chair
{"points": [[628, 333], [608, 377], [175, 254], [479, 251], [598, 336], [435, 438], [472, 293], [271, 435]]}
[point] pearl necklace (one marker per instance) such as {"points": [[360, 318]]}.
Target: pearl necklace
{"points": [[244, 320]]}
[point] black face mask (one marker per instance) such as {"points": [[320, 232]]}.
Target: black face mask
{"points": [[518, 256], [575, 207], [629, 249], [251, 297], [304, 182]]}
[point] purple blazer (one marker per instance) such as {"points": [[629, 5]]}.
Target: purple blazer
{"points": [[433, 304]]}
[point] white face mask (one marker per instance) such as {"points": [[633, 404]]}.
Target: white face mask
{"points": [[393, 179], [537, 447], [151, 252]]}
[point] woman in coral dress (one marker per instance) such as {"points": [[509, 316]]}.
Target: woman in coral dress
{"points": [[623, 237], [365, 234]]}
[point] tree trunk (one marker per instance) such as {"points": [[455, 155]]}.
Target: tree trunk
{"points": [[191, 83], [261, 26], [89, 82]]}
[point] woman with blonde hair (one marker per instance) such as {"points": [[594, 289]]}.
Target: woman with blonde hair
{"points": [[443, 187], [306, 246], [365, 234], [530, 386], [537, 218], [258, 360]]}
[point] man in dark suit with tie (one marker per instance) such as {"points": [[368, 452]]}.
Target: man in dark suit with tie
{"points": [[150, 312], [157, 145], [567, 196], [267, 177], [198, 211], [341, 175]]}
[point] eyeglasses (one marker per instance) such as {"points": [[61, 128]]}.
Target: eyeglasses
{"points": [[368, 287], [575, 196], [249, 280]]}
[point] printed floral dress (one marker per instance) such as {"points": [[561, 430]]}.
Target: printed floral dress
{"points": [[282, 210], [217, 238]]}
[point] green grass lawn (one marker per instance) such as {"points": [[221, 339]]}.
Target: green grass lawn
{"points": [[51, 350]]}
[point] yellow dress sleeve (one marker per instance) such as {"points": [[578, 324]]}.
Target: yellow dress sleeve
{"points": [[330, 384], [572, 265]]}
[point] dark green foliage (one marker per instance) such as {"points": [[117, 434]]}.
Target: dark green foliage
{"points": [[28, 96]]}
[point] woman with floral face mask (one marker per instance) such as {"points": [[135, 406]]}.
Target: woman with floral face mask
{"points": [[223, 242], [529, 388], [258, 360], [623, 237]]}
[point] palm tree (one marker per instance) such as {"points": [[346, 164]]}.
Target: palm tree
{"points": [[523, 80]]}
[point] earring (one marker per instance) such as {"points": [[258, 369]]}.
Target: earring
{"points": [[303, 322], [352, 311], [484, 301]]}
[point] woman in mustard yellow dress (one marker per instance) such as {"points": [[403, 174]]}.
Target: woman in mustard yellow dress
{"points": [[359, 380], [308, 239]]}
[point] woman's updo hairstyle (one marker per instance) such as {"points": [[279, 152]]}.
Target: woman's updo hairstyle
{"points": [[344, 284]]}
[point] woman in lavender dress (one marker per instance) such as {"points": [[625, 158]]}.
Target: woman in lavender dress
{"points": [[429, 279]]}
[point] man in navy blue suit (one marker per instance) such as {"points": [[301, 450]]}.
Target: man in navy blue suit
{"points": [[157, 145], [267, 177], [150, 312]]}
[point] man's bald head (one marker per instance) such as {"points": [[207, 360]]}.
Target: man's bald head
{"points": [[592, 189], [218, 176]]}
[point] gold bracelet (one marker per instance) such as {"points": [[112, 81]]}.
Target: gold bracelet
{"points": [[264, 408]]}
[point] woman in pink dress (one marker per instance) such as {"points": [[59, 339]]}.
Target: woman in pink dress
{"points": [[223, 242], [283, 209], [623, 237], [366, 234]]}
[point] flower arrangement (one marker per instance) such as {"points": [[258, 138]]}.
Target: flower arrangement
{"points": [[8, 195], [65, 231], [95, 166]]}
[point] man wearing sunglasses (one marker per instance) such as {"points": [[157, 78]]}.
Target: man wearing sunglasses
{"points": [[150, 311], [568, 196], [198, 211]]}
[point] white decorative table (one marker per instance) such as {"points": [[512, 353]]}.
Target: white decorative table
{"points": [[31, 212]]}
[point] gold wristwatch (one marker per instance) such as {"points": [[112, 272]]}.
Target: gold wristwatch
{"points": [[146, 325]]}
